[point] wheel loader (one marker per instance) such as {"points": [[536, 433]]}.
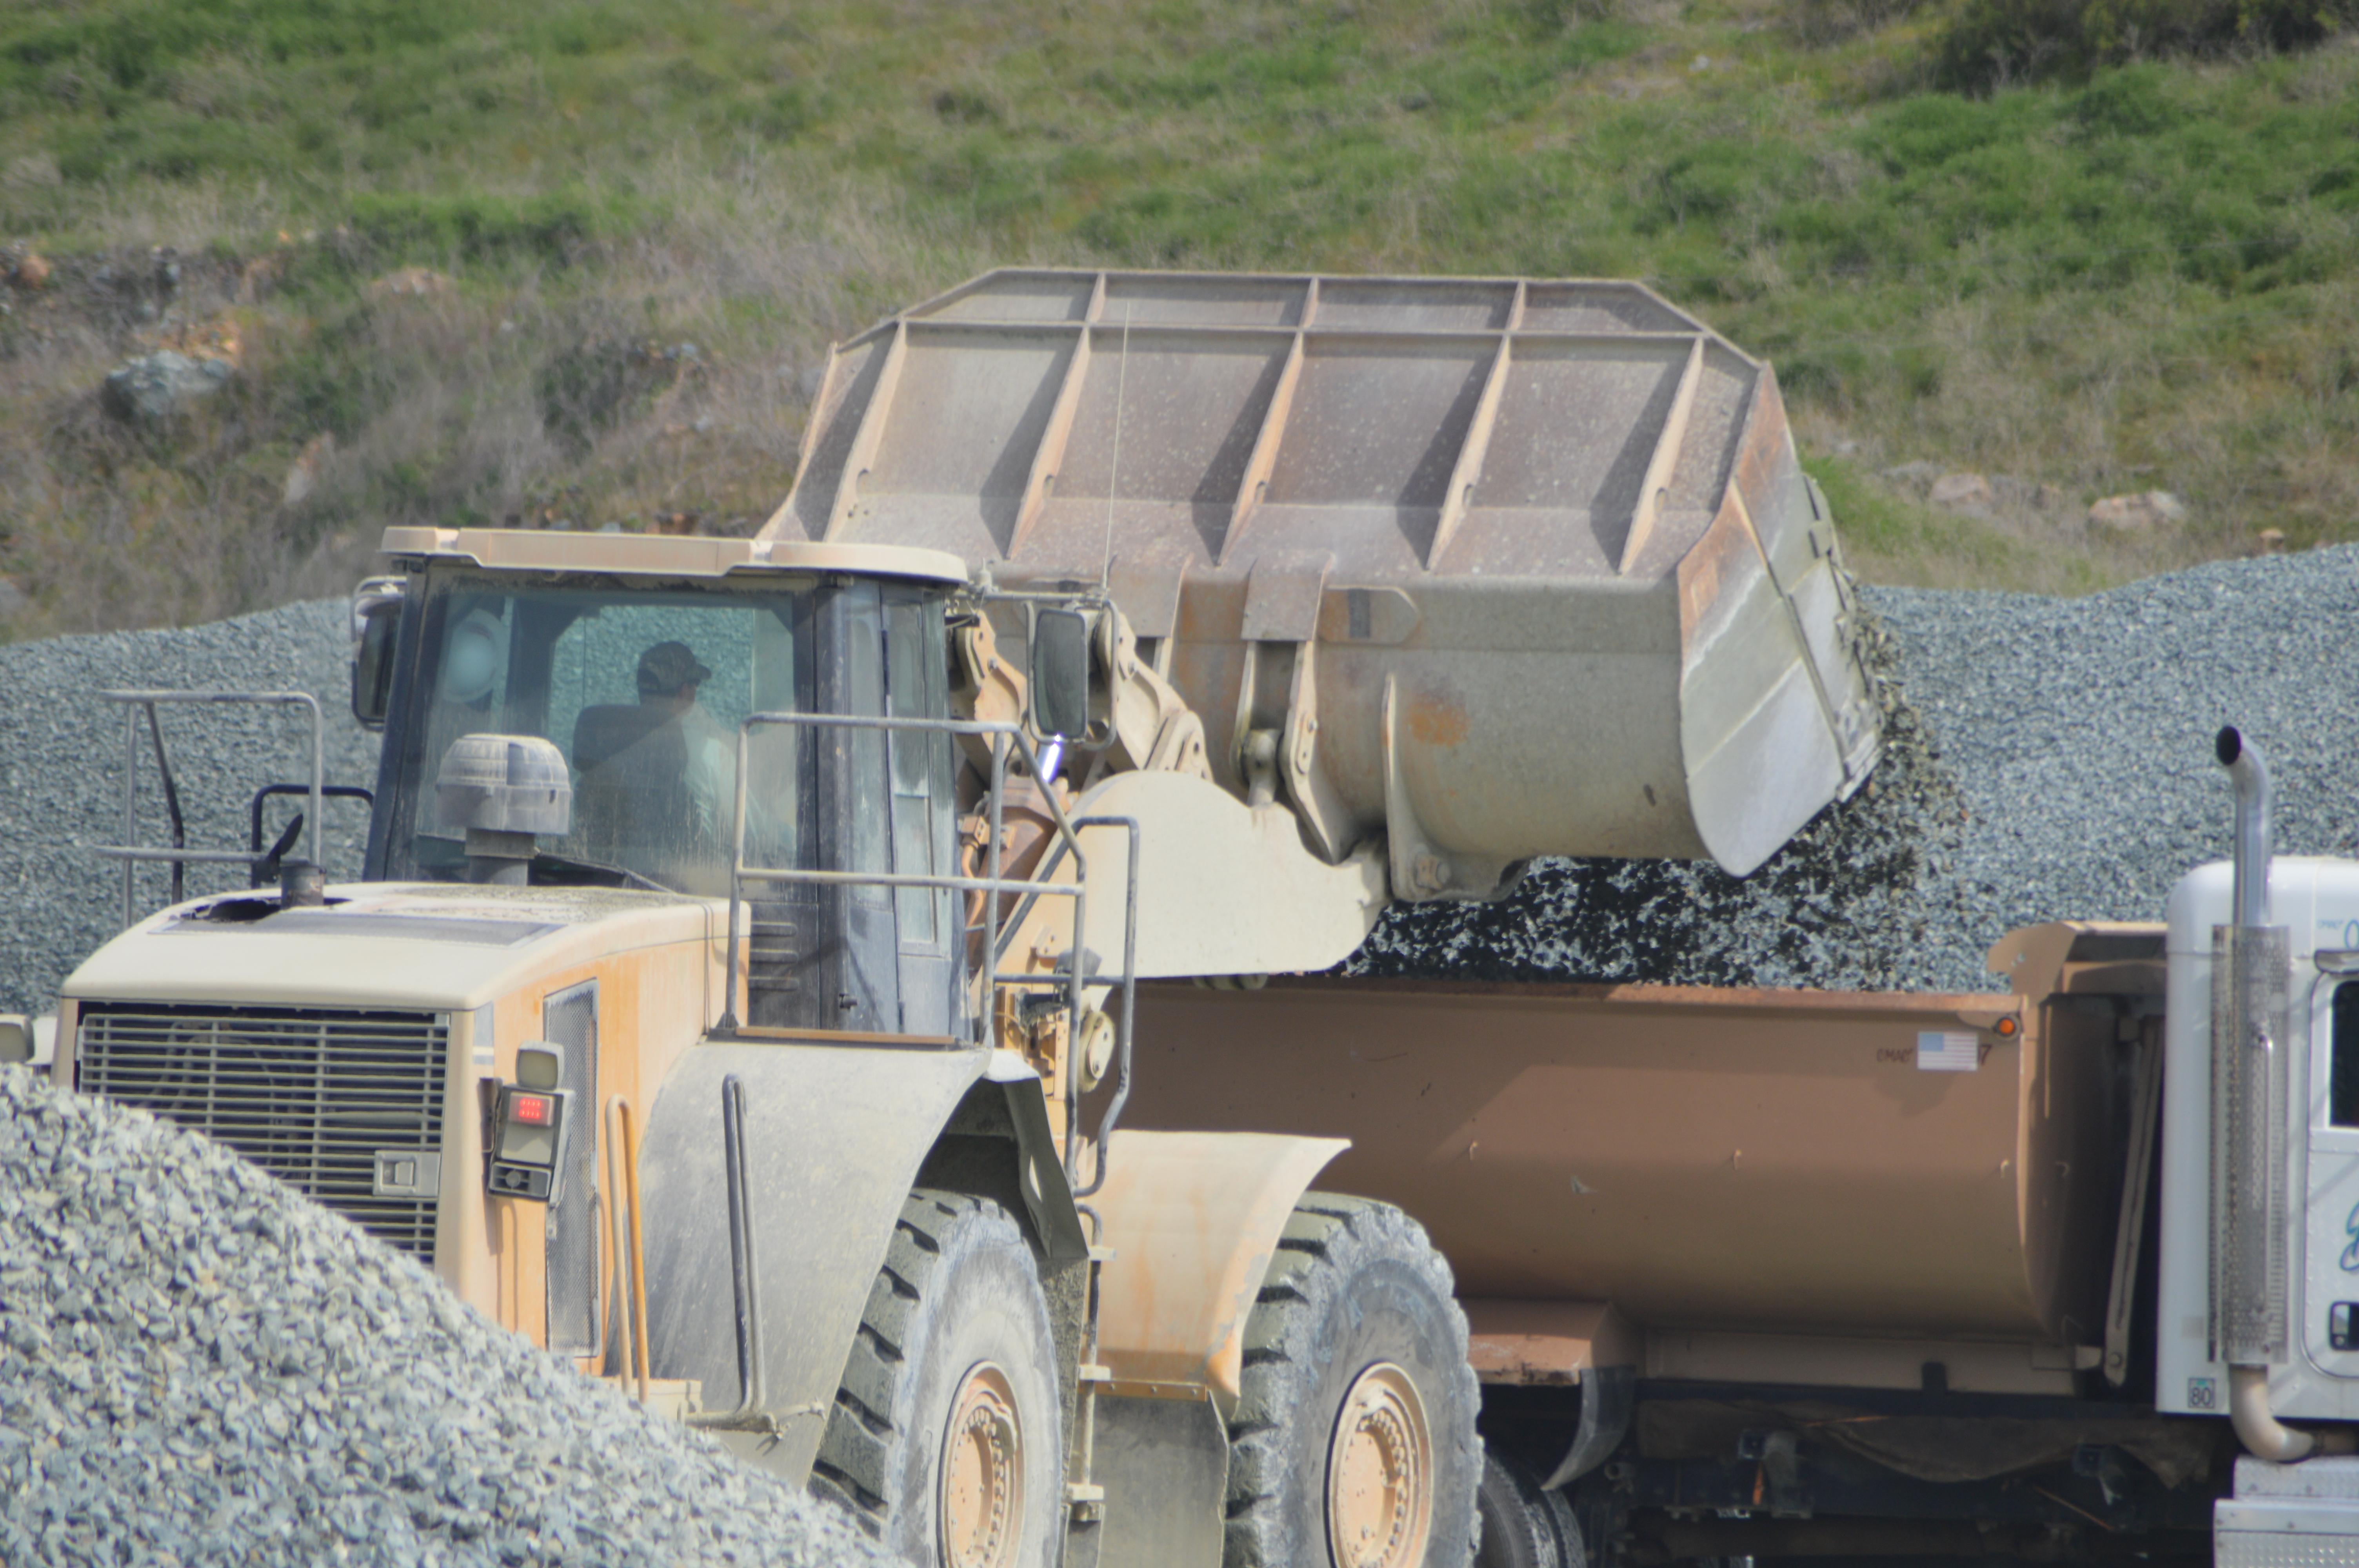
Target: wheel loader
{"points": [[743, 995]]}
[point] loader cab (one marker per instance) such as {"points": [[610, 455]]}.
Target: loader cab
{"points": [[643, 680]]}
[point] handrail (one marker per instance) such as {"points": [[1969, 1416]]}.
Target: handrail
{"points": [[630, 1258], [133, 852], [744, 1277], [1008, 740], [1005, 739], [1125, 1029]]}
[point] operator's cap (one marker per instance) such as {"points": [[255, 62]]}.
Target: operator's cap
{"points": [[668, 666]]}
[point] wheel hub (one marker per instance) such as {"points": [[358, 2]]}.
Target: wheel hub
{"points": [[1380, 1473], [981, 1471]]}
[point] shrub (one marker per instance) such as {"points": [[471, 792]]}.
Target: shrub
{"points": [[1985, 43], [1822, 23], [551, 228]]}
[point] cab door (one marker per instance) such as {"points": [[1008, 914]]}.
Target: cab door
{"points": [[924, 812], [2329, 1324], [878, 959]]}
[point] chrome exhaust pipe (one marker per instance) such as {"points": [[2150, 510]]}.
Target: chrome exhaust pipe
{"points": [[2249, 773], [2252, 975]]}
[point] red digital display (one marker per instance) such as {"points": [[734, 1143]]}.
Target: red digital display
{"points": [[533, 1110]]}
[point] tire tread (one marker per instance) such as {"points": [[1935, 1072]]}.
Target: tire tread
{"points": [[858, 1443], [1325, 1236]]}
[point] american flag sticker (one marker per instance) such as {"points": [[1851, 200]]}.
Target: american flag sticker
{"points": [[1948, 1051]]}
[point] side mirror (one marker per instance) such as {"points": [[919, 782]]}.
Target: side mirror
{"points": [[376, 618], [1061, 673]]}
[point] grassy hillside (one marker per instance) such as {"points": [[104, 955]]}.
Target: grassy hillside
{"points": [[652, 218]]}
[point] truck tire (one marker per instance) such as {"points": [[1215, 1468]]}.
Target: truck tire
{"points": [[1354, 1442], [946, 1437], [1525, 1525]]}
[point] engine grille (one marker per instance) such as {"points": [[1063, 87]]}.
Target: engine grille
{"points": [[309, 1095]]}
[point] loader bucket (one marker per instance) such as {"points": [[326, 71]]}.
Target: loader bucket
{"points": [[1507, 567]]}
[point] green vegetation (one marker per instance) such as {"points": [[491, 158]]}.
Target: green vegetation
{"points": [[1979, 235], [1987, 42]]}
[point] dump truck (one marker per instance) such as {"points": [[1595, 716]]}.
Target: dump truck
{"points": [[2060, 1272], [761, 956]]}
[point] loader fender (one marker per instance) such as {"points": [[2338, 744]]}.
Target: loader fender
{"points": [[835, 1139], [1047, 1197], [1193, 1219]]}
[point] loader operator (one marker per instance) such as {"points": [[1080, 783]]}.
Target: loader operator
{"points": [[658, 781], [667, 678]]}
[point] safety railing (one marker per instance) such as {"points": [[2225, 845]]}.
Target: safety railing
{"points": [[177, 855], [1007, 743]]}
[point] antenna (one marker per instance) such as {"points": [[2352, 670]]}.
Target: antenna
{"points": [[1114, 464]]}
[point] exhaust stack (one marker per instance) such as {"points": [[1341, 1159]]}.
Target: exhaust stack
{"points": [[2249, 773], [2252, 975]]}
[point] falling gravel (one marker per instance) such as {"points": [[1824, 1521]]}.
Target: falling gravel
{"points": [[197, 1365], [2046, 759]]}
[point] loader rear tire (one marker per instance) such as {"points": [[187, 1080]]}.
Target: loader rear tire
{"points": [[1354, 1442], [946, 1438], [1525, 1525]]}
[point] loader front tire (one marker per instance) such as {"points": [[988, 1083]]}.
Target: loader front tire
{"points": [[1354, 1442], [945, 1439]]}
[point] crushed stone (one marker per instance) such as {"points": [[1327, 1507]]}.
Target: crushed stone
{"points": [[197, 1366]]}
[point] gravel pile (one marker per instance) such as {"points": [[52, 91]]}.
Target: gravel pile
{"points": [[2047, 759], [62, 748], [197, 1365]]}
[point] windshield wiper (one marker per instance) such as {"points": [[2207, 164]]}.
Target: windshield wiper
{"points": [[624, 877]]}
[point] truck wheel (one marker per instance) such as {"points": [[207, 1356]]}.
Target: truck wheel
{"points": [[945, 1440], [1354, 1442], [1525, 1525]]}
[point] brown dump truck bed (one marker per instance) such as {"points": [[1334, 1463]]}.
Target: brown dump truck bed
{"points": [[1707, 1161]]}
